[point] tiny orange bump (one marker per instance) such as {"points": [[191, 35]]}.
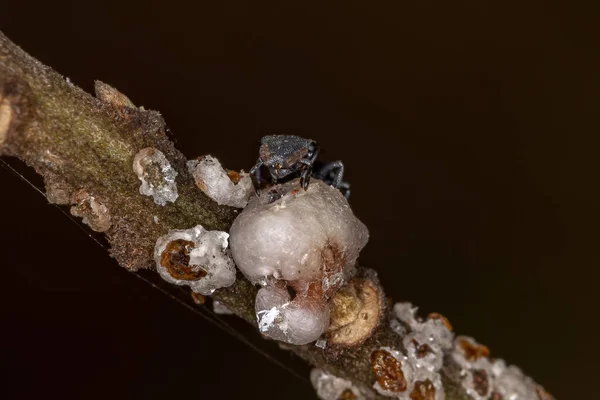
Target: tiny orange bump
{"points": [[473, 351], [234, 176], [198, 298], [435, 315]]}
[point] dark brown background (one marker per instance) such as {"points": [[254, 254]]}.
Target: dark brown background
{"points": [[462, 126]]}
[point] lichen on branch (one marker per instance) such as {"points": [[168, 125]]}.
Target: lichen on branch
{"points": [[85, 147]]}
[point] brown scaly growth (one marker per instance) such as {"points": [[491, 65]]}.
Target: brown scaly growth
{"points": [[347, 395], [424, 390], [421, 350], [473, 352], [176, 257], [439, 316], [481, 383], [388, 371]]}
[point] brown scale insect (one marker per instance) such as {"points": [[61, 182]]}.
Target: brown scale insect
{"points": [[388, 371], [439, 316], [473, 352], [176, 258]]}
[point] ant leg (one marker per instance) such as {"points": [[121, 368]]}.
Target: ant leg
{"points": [[345, 189], [307, 167], [256, 176], [337, 169], [315, 154], [305, 177]]}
